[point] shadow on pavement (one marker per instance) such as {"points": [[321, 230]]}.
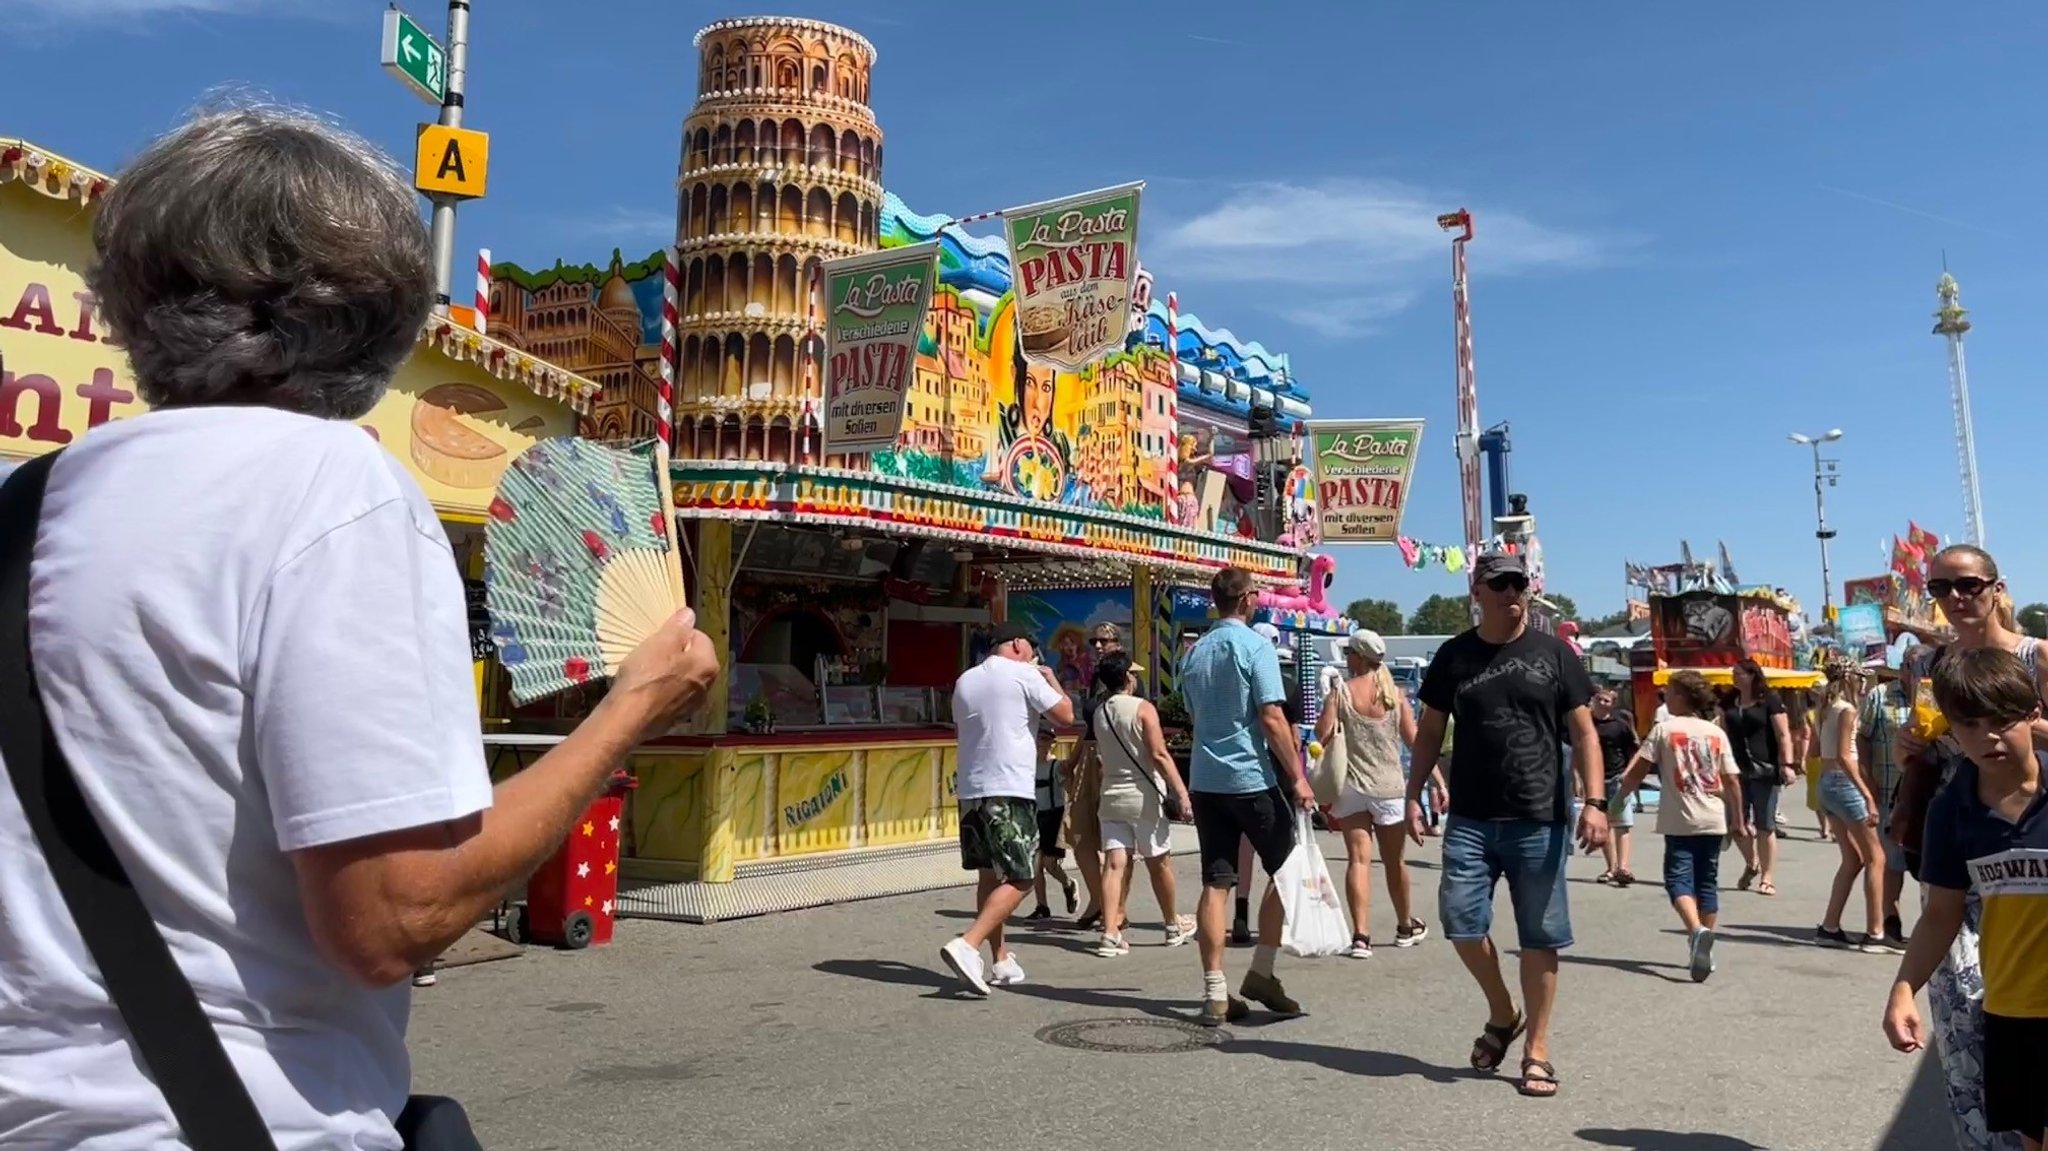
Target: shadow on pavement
{"points": [[1770, 935], [1348, 1060], [1632, 966], [940, 985], [1643, 1139], [1922, 1120]]}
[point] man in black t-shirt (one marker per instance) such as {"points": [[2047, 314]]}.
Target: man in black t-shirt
{"points": [[1518, 695]]}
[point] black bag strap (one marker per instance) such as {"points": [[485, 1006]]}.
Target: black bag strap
{"points": [[171, 1032], [1145, 772]]}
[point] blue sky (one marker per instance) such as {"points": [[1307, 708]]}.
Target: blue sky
{"points": [[1699, 228]]}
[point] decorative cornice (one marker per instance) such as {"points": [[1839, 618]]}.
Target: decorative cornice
{"points": [[780, 100], [51, 174], [779, 174], [751, 243], [505, 362], [747, 23], [722, 322]]}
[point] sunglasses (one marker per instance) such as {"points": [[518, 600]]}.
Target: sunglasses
{"points": [[1969, 587], [1102, 641], [1514, 583]]}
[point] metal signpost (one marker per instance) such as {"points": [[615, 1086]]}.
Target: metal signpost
{"points": [[450, 163]]}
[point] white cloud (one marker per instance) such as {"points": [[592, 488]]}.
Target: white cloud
{"points": [[1363, 251]]}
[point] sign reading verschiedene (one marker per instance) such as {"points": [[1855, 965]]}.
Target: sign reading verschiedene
{"points": [[1362, 470], [1074, 263], [877, 307]]}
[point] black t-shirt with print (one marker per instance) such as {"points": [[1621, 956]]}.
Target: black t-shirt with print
{"points": [[1509, 702], [1617, 743], [1754, 737]]}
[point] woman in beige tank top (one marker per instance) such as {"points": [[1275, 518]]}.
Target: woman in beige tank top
{"points": [[1377, 724]]}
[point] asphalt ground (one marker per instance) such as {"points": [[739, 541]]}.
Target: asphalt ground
{"points": [[838, 1028]]}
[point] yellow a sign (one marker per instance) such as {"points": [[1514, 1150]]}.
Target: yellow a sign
{"points": [[451, 161]]}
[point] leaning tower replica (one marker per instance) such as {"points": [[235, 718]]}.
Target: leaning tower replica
{"points": [[781, 171]]}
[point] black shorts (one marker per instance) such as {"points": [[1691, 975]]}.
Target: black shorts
{"points": [[1264, 817], [2013, 1054], [1049, 821]]}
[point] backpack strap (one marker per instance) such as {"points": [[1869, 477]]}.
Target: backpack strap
{"points": [[169, 1029]]}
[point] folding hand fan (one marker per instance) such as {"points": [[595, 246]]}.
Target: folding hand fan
{"points": [[579, 561]]}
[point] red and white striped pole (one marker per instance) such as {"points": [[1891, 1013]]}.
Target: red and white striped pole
{"points": [[1173, 332], [671, 284], [483, 291]]}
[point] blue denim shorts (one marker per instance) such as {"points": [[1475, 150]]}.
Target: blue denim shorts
{"points": [[1531, 856], [1839, 797], [1692, 866]]}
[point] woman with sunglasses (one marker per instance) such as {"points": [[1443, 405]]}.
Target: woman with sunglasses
{"points": [[1964, 581]]}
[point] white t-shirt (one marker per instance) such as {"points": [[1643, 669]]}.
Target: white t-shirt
{"points": [[251, 638], [1695, 769], [996, 706]]}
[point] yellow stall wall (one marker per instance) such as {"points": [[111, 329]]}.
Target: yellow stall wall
{"points": [[667, 811], [815, 801], [898, 795]]}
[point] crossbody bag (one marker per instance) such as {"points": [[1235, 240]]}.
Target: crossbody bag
{"points": [[1166, 803], [177, 1043]]}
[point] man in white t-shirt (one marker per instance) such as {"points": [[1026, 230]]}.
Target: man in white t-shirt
{"points": [[996, 709], [249, 635]]}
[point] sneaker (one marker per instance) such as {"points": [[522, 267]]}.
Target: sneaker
{"points": [[1361, 948], [1180, 932], [1241, 934], [1875, 945], [1040, 912], [1217, 1012], [1414, 933], [1266, 991], [1702, 961], [426, 978], [1071, 893], [1835, 938], [1112, 946], [1006, 973], [1893, 943], [965, 962]]}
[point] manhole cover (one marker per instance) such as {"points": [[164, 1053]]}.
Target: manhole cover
{"points": [[1127, 1035]]}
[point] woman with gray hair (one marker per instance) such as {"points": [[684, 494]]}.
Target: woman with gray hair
{"points": [[250, 641]]}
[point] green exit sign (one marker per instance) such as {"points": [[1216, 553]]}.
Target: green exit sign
{"points": [[414, 57]]}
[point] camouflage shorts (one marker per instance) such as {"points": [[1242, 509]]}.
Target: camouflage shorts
{"points": [[1000, 834]]}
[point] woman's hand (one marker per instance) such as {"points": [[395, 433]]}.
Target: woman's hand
{"points": [[667, 675], [1787, 775]]}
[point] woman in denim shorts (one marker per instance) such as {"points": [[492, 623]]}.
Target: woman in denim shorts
{"points": [[1847, 803]]}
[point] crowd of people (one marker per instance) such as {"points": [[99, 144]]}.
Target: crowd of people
{"points": [[1946, 793]]}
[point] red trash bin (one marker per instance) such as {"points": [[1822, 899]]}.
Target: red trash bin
{"points": [[570, 900]]}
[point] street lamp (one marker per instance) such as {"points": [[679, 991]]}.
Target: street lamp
{"points": [[1825, 475]]}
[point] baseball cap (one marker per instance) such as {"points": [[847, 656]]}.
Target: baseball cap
{"points": [[1011, 631], [1499, 564], [1366, 641]]}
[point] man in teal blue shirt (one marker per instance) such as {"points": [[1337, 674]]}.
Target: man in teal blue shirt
{"points": [[1246, 781]]}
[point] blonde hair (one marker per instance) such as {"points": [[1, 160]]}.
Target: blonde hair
{"points": [[2001, 605], [1382, 678]]}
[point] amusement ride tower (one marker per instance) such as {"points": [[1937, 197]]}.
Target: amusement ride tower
{"points": [[1950, 322], [1460, 221], [781, 171]]}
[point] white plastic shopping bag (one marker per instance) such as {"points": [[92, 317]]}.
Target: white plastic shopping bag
{"points": [[1316, 923]]}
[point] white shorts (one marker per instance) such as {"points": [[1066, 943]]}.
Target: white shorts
{"points": [[1385, 812], [1146, 839]]}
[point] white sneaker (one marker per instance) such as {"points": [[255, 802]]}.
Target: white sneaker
{"points": [[425, 978], [1007, 972], [966, 963], [1180, 932], [1112, 946], [1701, 961]]}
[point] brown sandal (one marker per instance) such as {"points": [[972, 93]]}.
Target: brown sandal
{"points": [[1538, 1087], [1490, 1050]]}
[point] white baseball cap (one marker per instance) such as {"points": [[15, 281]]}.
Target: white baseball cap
{"points": [[1366, 641]]}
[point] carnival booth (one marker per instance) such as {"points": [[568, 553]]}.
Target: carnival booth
{"points": [[1710, 631]]}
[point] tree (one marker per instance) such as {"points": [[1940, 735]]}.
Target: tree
{"points": [[1566, 609], [2034, 620], [1605, 623], [1441, 615], [1381, 615]]}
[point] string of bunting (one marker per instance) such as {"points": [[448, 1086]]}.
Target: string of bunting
{"points": [[1452, 558]]}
